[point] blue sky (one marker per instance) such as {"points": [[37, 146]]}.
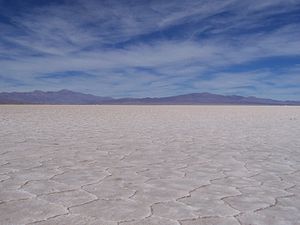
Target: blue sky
{"points": [[152, 48]]}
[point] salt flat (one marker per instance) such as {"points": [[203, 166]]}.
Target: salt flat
{"points": [[150, 165]]}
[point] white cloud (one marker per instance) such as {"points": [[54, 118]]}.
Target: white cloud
{"points": [[85, 37]]}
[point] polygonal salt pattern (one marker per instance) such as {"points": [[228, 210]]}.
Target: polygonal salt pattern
{"points": [[152, 165]]}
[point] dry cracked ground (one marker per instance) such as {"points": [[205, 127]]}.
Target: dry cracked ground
{"points": [[149, 165]]}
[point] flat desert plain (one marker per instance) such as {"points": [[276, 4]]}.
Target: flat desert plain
{"points": [[149, 165]]}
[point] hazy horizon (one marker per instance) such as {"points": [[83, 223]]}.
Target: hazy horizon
{"points": [[195, 93]]}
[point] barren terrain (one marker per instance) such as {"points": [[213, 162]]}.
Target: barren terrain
{"points": [[149, 165]]}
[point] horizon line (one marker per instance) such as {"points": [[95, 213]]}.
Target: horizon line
{"points": [[121, 98]]}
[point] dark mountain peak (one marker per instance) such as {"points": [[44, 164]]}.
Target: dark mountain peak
{"points": [[66, 91], [37, 92], [197, 94]]}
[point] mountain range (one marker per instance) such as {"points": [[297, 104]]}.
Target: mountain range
{"points": [[76, 98]]}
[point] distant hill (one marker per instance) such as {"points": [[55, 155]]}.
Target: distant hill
{"points": [[50, 97], [70, 97]]}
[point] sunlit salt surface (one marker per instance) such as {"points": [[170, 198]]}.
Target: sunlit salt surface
{"points": [[150, 165]]}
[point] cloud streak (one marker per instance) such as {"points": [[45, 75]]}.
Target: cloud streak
{"points": [[151, 48]]}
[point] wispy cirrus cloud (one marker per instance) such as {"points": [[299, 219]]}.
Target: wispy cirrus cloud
{"points": [[151, 48]]}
